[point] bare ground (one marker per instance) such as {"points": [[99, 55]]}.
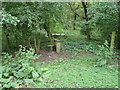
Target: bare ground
{"points": [[48, 56]]}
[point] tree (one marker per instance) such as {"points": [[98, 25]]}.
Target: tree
{"points": [[104, 17], [35, 18], [74, 9], [8, 21], [118, 31], [113, 36], [87, 29]]}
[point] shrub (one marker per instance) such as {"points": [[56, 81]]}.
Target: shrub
{"points": [[75, 45], [21, 70], [103, 52]]}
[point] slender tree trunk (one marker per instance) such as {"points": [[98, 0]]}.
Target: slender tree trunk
{"points": [[112, 41], [46, 28], [8, 41], [74, 25], [16, 40], [74, 13], [88, 34], [50, 33], [87, 19]]}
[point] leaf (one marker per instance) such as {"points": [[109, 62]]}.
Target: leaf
{"points": [[28, 81], [0, 76], [6, 80], [102, 62], [44, 69], [1, 69], [6, 74], [35, 74], [46, 74], [39, 71], [3, 80], [6, 86], [14, 84], [19, 74]]}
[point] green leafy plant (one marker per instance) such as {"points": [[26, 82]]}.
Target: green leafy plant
{"points": [[9, 19], [77, 46], [22, 70], [103, 18], [103, 52]]}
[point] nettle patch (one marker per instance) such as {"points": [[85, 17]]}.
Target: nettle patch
{"points": [[21, 70]]}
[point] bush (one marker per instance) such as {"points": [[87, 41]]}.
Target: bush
{"points": [[74, 45], [103, 52], [21, 70]]}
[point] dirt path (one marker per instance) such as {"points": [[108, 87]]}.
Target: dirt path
{"points": [[47, 56]]}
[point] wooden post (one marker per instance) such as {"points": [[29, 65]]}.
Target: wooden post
{"points": [[58, 42], [58, 45], [112, 41]]}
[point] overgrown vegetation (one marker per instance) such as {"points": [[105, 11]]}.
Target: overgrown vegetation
{"points": [[21, 70], [102, 52], [90, 35]]}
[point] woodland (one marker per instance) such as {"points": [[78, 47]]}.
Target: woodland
{"points": [[59, 45]]}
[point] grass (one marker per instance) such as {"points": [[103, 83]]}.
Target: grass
{"points": [[79, 73]]}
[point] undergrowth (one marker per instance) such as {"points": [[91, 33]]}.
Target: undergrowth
{"points": [[80, 73], [21, 70], [102, 52]]}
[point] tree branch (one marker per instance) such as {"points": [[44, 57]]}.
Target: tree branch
{"points": [[73, 9]]}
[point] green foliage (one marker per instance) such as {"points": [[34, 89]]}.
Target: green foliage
{"points": [[21, 70], [77, 46], [102, 52], [31, 24], [103, 17], [76, 34], [32, 16], [34, 13], [9, 19], [79, 73]]}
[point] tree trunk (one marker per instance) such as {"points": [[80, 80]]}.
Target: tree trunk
{"points": [[88, 34], [112, 41], [87, 19], [8, 41], [74, 25], [47, 29], [74, 13], [16, 40], [50, 34]]}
